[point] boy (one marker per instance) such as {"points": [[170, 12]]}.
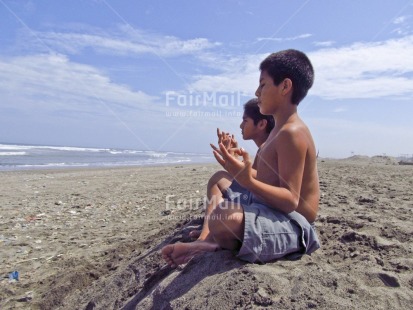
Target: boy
{"points": [[284, 195], [254, 126]]}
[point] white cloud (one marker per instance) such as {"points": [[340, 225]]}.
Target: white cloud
{"points": [[360, 70], [52, 82], [399, 20], [324, 43], [124, 41], [340, 110], [365, 70], [239, 74], [301, 36], [403, 27]]}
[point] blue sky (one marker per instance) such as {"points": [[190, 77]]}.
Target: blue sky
{"points": [[163, 75]]}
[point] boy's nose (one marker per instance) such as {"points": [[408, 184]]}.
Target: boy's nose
{"points": [[257, 92]]}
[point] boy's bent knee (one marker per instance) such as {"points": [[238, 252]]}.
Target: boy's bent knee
{"points": [[227, 222], [219, 177]]}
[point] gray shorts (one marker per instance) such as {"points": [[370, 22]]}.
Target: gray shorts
{"points": [[236, 193], [270, 234]]}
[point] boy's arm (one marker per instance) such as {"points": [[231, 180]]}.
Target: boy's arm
{"points": [[254, 173], [254, 167], [255, 164], [291, 151]]}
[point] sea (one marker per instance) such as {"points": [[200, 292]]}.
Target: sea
{"points": [[35, 157]]}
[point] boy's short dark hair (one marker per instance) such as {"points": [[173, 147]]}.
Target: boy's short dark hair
{"points": [[252, 110], [294, 65]]}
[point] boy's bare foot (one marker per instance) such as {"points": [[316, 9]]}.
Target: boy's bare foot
{"points": [[181, 253]]}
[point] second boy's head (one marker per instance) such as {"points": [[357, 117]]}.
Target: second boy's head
{"points": [[291, 73], [253, 122]]}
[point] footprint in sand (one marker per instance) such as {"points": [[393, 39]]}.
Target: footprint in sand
{"points": [[380, 279]]}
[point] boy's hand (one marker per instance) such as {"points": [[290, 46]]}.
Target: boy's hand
{"points": [[228, 140], [223, 137], [231, 151], [240, 170]]}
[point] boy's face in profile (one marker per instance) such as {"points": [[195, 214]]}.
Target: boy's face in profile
{"points": [[248, 129], [269, 95]]}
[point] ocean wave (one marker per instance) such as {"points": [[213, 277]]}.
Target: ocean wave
{"points": [[12, 153], [46, 157], [12, 147], [156, 154], [41, 166], [15, 147]]}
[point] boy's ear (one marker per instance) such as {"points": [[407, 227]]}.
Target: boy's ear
{"points": [[262, 124], [287, 85]]}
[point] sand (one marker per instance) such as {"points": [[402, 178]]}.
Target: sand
{"points": [[90, 239]]}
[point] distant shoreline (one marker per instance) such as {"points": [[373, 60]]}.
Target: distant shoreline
{"points": [[379, 159]]}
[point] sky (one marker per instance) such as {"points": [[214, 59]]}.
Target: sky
{"points": [[163, 75]]}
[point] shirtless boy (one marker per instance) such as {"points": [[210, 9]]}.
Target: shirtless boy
{"points": [[254, 126], [284, 196]]}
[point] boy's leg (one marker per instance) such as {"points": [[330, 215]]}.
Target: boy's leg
{"points": [[219, 181], [226, 224], [226, 231]]}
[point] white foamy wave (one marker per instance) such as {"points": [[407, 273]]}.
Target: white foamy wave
{"points": [[156, 154], [12, 147], [12, 153], [71, 149], [75, 149], [53, 165], [183, 160], [15, 147], [133, 152]]}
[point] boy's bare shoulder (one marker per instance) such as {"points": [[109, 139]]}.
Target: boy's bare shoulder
{"points": [[294, 133]]}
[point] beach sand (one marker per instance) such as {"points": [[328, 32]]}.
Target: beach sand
{"points": [[90, 239]]}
